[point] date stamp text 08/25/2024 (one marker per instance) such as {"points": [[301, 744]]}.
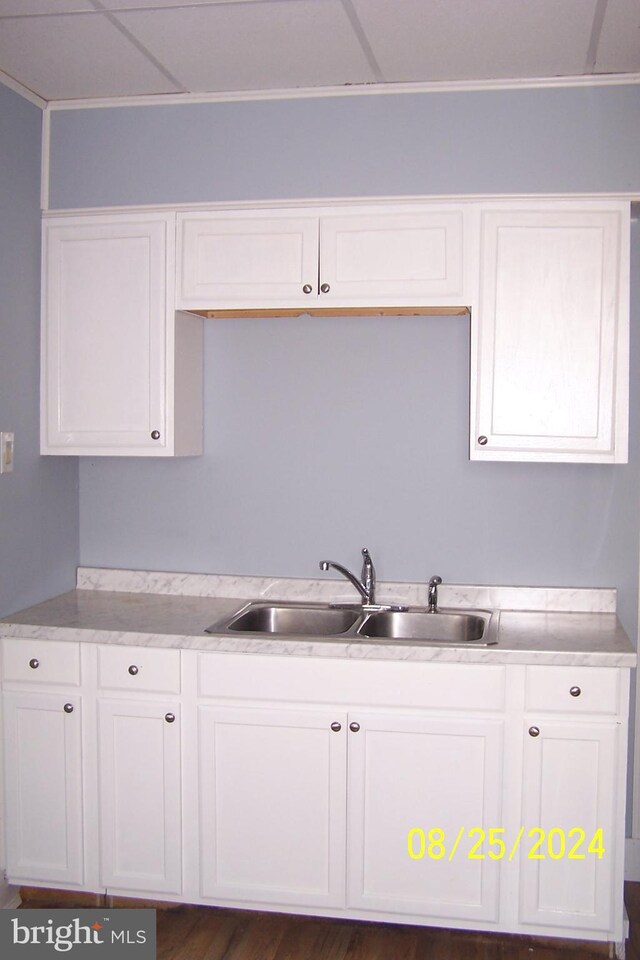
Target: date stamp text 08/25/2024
{"points": [[477, 843]]}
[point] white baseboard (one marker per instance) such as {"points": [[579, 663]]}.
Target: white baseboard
{"points": [[9, 896]]}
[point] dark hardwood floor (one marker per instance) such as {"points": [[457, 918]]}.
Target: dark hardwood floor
{"points": [[201, 933], [211, 933]]}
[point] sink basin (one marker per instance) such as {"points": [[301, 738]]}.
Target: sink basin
{"points": [[351, 622], [289, 619], [446, 627]]}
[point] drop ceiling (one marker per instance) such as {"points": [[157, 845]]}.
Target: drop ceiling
{"points": [[77, 49]]}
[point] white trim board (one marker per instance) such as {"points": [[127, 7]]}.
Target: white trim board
{"points": [[354, 90], [295, 204], [9, 896], [17, 87]]}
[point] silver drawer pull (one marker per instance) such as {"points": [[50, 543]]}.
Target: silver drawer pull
{"points": [[336, 727], [169, 717], [133, 669], [34, 663], [575, 691], [68, 708], [354, 727], [534, 731]]}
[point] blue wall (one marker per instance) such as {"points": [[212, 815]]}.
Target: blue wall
{"points": [[561, 140], [39, 500], [322, 435]]}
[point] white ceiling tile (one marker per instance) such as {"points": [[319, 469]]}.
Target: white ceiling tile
{"points": [[26, 7], [619, 47], [80, 55], [252, 46], [484, 39]]}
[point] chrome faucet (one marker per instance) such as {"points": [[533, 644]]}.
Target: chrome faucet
{"points": [[366, 585], [432, 593]]}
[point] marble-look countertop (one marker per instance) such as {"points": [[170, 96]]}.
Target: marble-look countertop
{"points": [[536, 625]]}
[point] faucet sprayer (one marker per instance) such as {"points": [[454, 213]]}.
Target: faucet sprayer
{"points": [[432, 593]]}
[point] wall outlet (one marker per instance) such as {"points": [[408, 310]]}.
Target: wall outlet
{"points": [[6, 452]]}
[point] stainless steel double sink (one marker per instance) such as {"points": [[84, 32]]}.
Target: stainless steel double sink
{"points": [[415, 625]]}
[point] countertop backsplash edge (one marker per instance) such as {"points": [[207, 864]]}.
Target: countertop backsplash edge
{"points": [[541, 599]]}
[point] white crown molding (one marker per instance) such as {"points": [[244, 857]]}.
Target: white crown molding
{"points": [[45, 161], [8, 81], [323, 202], [354, 90]]}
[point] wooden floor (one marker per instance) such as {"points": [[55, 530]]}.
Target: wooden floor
{"points": [[212, 933], [204, 933]]}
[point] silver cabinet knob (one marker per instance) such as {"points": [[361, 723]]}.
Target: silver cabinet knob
{"points": [[133, 669], [307, 288], [534, 731], [324, 288], [483, 440], [34, 663], [354, 727], [155, 434], [575, 691], [169, 717], [336, 727], [68, 708]]}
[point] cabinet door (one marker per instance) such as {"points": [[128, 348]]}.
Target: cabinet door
{"points": [[104, 335], [43, 782], [402, 258], [408, 773], [234, 260], [272, 802], [570, 785], [550, 342], [140, 808]]}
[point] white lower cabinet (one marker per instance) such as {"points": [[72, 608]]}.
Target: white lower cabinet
{"points": [[272, 796], [308, 799], [574, 771], [43, 787], [292, 798], [571, 798], [293, 784], [422, 774], [139, 790]]}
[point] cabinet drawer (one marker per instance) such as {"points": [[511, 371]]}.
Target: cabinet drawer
{"points": [[438, 686], [139, 669], [41, 661], [573, 689]]}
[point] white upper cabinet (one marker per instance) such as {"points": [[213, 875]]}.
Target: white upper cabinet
{"points": [[414, 257], [546, 283], [355, 256], [240, 258], [120, 373], [551, 332]]}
